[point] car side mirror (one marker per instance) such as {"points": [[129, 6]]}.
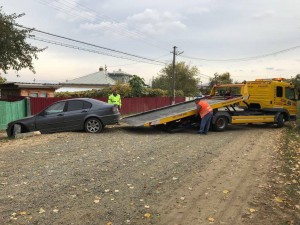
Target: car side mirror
{"points": [[43, 113]]}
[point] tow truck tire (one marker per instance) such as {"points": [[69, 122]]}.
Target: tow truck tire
{"points": [[280, 121], [220, 123]]}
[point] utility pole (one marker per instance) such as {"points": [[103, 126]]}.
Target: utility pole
{"points": [[174, 74]]}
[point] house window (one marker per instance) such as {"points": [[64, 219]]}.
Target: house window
{"points": [[43, 94], [34, 94]]}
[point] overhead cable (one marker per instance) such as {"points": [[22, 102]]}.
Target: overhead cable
{"points": [[67, 8], [246, 58], [93, 45], [89, 50]]}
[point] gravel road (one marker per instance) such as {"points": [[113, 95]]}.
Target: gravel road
{"points": [[135, 176]]}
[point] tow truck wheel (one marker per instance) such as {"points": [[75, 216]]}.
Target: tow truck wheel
{"points": [[220, 123], [280, 121]]}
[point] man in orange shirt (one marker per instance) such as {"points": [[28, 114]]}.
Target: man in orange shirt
{"points": [[206, 114]]}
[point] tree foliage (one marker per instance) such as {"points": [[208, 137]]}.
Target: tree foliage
{"points": [[186, 80], [220, 79], [15, 52], [2, 79], [296, 82], [123, 89], [137, 85]]}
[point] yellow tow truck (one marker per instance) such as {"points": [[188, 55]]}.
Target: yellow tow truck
{"points": [[260, 101]]}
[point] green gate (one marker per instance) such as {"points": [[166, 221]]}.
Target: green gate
{"points": [[10, 111]]}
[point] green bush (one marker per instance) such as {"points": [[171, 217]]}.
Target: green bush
{"points": [[123, 89]]}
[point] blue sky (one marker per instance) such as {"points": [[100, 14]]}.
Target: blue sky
{"points": [[214, 30]]}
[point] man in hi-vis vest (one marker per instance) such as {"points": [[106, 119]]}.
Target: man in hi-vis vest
{"points": [[115, 99], [206, 114]]}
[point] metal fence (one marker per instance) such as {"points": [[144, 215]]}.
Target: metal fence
{"points": [[129, 105], [12, 110]]}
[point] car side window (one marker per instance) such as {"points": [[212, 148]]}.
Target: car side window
{"points": [[75, 105], [55, 108]]}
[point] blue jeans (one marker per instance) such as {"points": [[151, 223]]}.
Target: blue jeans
{"points": [[205, 123]]}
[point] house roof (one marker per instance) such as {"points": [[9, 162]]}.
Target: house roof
{"points": [[98, 78], [30, 85]]}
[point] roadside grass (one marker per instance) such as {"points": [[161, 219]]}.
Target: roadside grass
{"points": [[289, 172]]}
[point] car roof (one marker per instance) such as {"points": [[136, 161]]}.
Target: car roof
{"points": [[91, 100]]}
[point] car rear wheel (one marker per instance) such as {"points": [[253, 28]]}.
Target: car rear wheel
{"points": [[93, 125]]}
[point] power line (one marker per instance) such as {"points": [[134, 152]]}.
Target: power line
{"points": [[93, 45], [246, 58], [67, 7], [88, 50]]}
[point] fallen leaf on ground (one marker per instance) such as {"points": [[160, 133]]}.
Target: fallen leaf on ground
{"points": [[277, 199], [55, 210], [147, 215], [251, 210], [23, 213], [225, 191], [210, 219], [42, 210]]}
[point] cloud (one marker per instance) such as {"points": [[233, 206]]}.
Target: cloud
{"points": [[152, 22], [149, 22], [197, 10], [263, 15], [112, 29], [71, 11]]}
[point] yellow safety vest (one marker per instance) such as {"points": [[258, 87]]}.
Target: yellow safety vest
{"points": [[116, 100]]}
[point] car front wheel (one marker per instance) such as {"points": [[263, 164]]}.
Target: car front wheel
{"points": [[93, 125]]}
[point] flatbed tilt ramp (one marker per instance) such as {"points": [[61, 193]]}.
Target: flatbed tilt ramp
{"points": [[176, 112]]}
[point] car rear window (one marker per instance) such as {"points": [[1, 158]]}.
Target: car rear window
{"points": [[86, 105], [78, 105]]}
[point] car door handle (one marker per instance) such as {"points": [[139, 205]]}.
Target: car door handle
{"points": [[84, 111]]}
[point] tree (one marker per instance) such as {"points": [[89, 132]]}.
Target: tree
{"points": [[296, 82], [15, 52], [137, 85], [220, 79], [2, 79], [186, 80]]}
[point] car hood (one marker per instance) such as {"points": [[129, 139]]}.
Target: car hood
{"points": [[25, 119]]}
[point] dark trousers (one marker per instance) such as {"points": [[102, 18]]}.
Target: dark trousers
{"points": [[205, 123]]}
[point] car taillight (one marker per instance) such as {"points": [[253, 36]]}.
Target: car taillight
{"points": [[115, 109]]}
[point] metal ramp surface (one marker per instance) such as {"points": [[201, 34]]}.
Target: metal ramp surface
{"points": [[173, 112]]}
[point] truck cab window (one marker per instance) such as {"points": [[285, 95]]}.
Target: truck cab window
{"points": [[290, 93], [279, 91]]}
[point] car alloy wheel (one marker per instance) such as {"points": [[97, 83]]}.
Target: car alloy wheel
{"points": [[93, 125]]}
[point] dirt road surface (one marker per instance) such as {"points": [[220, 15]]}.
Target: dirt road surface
{"points": [[135, 176]]}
